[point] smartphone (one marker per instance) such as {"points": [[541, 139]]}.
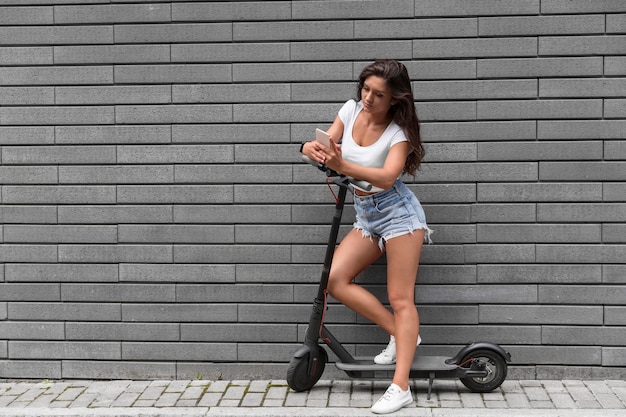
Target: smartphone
{"points": [[322, 137]]}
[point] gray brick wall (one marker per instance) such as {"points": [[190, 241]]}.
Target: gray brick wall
{"points": [[156, 221]]}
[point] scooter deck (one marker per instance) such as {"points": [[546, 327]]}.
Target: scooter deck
{"points": [[420, 363]]}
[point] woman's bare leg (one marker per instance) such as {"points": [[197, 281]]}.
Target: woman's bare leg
{"points": [[403, 254], [354, 254]]}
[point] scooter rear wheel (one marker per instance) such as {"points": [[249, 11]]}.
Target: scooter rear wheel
{"points": [[488, 360], [298, 376]]}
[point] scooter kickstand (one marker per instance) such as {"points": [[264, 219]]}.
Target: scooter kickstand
{"points": [[431, 379]]}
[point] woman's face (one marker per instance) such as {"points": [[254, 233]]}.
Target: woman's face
{"points": [[376, 95]]}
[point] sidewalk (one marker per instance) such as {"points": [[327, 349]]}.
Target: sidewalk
{"points": [[273, 398]]}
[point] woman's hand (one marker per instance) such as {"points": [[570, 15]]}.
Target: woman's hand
{"points": [[332, 156], [315, 151]]}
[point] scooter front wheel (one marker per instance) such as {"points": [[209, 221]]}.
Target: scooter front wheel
{"points": [[484, 360], [302, 375]]}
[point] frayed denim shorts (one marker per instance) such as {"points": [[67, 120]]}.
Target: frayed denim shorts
{"points": [[390, 213]]}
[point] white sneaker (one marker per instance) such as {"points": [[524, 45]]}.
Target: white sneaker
{"points": [[392, 400], [388, 355]]}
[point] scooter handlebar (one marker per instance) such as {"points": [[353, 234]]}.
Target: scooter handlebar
{"points": [[330, 173]]}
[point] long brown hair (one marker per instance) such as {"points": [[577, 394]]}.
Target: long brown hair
{"points": [[397, 78]]}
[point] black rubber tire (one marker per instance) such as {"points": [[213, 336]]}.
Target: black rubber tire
{"points": [[298, 376], [493, 362]]}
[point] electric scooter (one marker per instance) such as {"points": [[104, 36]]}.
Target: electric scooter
{"points": [[480, 366]]}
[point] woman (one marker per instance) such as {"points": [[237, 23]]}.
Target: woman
{"points": [[380, 140]]}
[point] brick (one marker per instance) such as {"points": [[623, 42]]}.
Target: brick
{"points": [[175, 313], [172, 73], [111, 54], [123, 292], [28, 175], [614, 65], [31, 369], [32, 330], [259, 234], [230, 52], [479, 131], [613, 273], [155, 154], [159, 114], [584, 212], [530, 151], [614, 316], [479, 172], [235, 133], [547, 273], [539, 67], [583, 335], [582, 45], [441, 69], [578, 87], [204, 352], [28, 253], [581, 6], [582, 171], [115, 174], [540, 109], [26, 135], [581, 129], [446, 111], [112, 13], [241, 214], [292, 71], [613, 233], [536, 192], [26, 96], [541, 25], [26, 55], [121, 331], [444, 152], [293, 30], [28, 214], [38, 15], [65, 350], [112, 134], [231, 254], [176, 273], [29, 155], [184, 194], [256, 113], [56, 35], [498, 213], [73, 75], [56, 115], [42, 311], [115, 253], [227, 332], [613, 357], [114, 214], [231, 93], [440, 90], [232, 174], [581, 253], [615, 150], [253, 293], [367, 9], [232, 11], [174, 33], [616, 23], [29, 292], [500, 253], [83, 369], [351, 50], [265, 153], [474, 48], [480, 7], [544, 233], [614, 108], [53, 272], [571, 315], [415, 28], [207, 234], [58, 195], [60, 234], [113, 95]]}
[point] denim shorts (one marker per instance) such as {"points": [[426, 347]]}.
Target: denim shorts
{"points": [[390, 213]]}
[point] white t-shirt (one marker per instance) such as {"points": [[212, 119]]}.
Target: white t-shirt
{"points": [[373, 155]]}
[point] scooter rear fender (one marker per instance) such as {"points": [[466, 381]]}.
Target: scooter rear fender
{"points": [[471, 347]]}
